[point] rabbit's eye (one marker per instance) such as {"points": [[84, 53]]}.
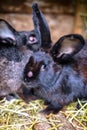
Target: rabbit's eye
{"points": [[43, 67], [32, 39]]}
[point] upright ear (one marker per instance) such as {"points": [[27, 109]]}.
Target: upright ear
{"points": [[7, 33], [41, 28], [67, 46]]}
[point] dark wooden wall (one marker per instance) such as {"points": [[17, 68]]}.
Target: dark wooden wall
{"points": [[47, 6]]}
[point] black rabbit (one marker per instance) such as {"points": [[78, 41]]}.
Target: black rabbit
{"points": [[15, 50], [59, 76]]}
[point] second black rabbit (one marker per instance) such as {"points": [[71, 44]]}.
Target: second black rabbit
{"points": [[58, 76]]}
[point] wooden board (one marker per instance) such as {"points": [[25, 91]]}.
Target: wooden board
{"points": [[47, 6]]}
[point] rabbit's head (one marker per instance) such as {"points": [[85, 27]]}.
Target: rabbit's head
{"points": [[41, 68], [34, 40], [10, 37]]}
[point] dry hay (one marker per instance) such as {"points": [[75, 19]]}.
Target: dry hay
{"points": [[17, 115]]}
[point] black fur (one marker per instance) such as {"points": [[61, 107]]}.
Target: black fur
{"points": [[59, 87], [15, 50], [62, 76]]}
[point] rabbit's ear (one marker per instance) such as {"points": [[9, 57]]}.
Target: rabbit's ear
{"points": [[41, 28], [67, 46], [7, 33]]}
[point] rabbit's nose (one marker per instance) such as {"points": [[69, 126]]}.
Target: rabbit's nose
{"points": [[30, 74]]}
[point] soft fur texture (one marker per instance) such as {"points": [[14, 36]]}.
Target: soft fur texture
{"points": [[58, 84], [58, 76], [14, 55], [15, 50]]}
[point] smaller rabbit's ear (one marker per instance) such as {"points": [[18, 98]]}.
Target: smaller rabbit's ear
{"points": [[7, 33], [67, 46], [41, 27]]}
